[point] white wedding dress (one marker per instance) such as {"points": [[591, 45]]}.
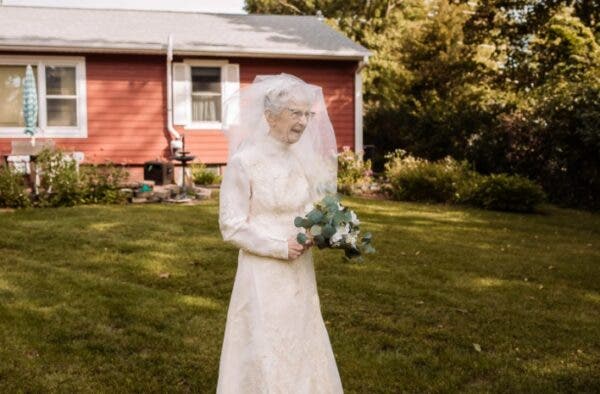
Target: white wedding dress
{"points": [[275, 340]]}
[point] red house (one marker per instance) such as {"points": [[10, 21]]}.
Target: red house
{"points": [[121, 85]]}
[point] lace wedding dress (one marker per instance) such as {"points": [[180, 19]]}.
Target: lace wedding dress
{"points": [[275, 340]]}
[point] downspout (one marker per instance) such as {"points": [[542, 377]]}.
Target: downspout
{"points": [[358, 107], [176, 142]]}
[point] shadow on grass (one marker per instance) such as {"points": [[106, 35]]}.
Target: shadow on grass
{"points": [[84, 306]]}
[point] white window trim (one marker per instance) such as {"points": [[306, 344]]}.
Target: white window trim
{"points": [[45, 131], [203, 63]]}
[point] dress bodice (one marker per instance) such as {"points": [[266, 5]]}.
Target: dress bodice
{"points": [[264, 189], [279, 188]]}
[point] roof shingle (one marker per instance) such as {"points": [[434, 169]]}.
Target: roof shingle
{"points": [[101, 30]]}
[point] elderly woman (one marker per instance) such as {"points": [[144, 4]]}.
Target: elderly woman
{"points": [[282, 158]]}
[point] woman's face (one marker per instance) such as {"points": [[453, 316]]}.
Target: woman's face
{"points": [[289, 124]]}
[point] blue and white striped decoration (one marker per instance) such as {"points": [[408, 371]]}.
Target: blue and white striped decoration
{"points": [[30, 102]]}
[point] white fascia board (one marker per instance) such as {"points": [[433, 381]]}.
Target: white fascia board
{"points": [[196, 51]]}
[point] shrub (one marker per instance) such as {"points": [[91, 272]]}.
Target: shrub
{"points": [[354, 174], [415, 179], [450, 181], [60, 184], [204, 176], [502, 192], [12, 189], [102, 184]]}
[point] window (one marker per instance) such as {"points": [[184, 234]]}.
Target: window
{"points": [[60, 86], [200, 87], [206, 94], [61, 96], [11, 95]]}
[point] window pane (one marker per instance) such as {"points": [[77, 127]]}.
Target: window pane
{"points": [[62, 112], [206, 108], [205, 79], [11, 95], [60, 80]]}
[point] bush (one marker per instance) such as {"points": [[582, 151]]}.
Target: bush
{"points": [[354, 174], [60, 184], [12, 189], [204, 176], [102, 184], [415, 179], [502, 192], [450, 181]]}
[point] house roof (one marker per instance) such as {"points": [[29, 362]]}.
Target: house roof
{"points": [[194, 33]]}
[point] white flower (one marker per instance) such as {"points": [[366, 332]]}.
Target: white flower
{"points": [[335, 239], [354, 219], [343, 230], [340, 206], [352, 239]]}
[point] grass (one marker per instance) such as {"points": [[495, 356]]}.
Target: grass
{"points": [[134, 299]]}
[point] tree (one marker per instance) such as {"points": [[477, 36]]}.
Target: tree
{"points": [[511, 85], [379, 26], [566, 70]]}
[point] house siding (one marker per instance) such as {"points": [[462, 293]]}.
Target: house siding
{"points": [[126, 107], [335, 77]]}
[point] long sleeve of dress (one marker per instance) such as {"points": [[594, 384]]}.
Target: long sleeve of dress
{"points": [[234, 204]]}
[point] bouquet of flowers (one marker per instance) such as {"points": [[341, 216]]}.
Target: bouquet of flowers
{"points": [[331, 225]]}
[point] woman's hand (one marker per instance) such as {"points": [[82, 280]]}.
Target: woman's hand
{"points": [[295, 249]]}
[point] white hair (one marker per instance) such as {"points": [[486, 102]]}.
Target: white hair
{"points": [[278, 97]]}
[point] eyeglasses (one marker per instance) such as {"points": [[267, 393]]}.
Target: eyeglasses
{"points": [[297, 114]]}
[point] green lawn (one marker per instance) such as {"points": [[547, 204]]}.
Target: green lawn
{"points": [[84, 307]]}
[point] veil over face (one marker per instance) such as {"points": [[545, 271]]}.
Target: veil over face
{"points": [[245, 123]]}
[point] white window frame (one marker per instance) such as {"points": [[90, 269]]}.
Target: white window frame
{"points": [[45, 131], [191, 125]]}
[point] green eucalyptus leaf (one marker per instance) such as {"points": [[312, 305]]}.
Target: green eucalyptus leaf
{"points": [[315, 230], [330, 200], [321, 242], [347, 215], [332, 205], [328, 230], [301, 238], [338, 218], [315, 216], [298, 221]]}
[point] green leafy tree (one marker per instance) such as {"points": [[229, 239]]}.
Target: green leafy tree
{"points": [[566, 69], [512, 86], [379, 26]]}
